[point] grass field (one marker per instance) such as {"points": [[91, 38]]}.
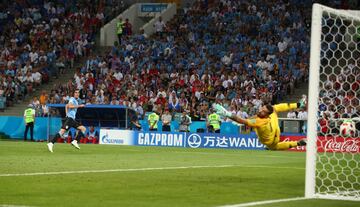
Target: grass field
{"points": [[100, 175]]}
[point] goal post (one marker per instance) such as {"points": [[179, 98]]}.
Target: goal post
{"points": [[332, 161], [313, 100]]}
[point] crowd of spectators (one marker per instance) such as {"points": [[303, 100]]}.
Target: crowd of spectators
{"points": [[40, 39], [237, 53]]}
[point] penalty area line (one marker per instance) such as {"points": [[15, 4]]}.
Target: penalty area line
{"points": [[257, 203]]}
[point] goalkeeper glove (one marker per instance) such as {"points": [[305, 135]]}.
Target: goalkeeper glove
{"points": [[221, 110], [302, 102]]}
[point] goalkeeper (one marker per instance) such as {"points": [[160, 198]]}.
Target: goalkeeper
{"points": [[266, 124]]}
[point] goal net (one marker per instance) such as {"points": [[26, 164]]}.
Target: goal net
{"points": [[332, 159]]}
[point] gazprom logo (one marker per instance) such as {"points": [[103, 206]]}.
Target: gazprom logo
{"points": [[194, 140], [160, 139], [106, 140]]}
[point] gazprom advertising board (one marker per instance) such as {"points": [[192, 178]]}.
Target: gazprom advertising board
{"points": [[117, 137], [179, 139]]}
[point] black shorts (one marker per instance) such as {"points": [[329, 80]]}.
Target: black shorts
{"points": [[70, 123]]}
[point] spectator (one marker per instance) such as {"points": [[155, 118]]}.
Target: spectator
{"points": [[324, 124], [159, 27], [127, 27], [185, 122], [161, 100], [120, 29], [153, 119], [174, 104], [44, 110], [134, 124], [213, 122], [60, 64], [43, 97], [202, 115], [166, 119], [92, 136], [29, 118], [291, 114], [302, 114]]}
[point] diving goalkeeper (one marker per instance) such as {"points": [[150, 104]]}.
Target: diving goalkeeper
{"points": [[266, 124]]}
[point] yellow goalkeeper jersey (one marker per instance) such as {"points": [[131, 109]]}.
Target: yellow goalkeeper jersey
{"points": [[268, 128]]}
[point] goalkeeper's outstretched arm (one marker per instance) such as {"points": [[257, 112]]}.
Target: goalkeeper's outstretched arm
{"points": [[238, 119], [290, 106], [223, 112], [285, 107]]}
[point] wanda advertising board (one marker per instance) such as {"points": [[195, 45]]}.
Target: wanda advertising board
{"points": [[328, 143]]}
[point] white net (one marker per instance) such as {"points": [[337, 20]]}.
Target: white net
{"points": [[338, 151]]}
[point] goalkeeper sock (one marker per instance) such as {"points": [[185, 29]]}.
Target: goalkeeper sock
{"points": [[302, 102]]}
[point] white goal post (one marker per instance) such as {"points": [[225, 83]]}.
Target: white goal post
{"points": [[332, 161]]}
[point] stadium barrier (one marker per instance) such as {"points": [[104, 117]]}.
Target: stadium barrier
{"points": [[180, 139], [332, 143], [15, 127], [230, 139]]}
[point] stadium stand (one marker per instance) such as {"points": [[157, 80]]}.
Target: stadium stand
{"points": [[39, 40], [238, 53]]}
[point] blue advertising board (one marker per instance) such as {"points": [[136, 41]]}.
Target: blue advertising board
{"points": [[180, 139], [211, 140]]}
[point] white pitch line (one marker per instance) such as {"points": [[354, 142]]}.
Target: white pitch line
{"points": [[266, 202], [237, 154], [113, 170], [6, 205], [142, 169], [149, 169]]}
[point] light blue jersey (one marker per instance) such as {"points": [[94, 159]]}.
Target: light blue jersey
{"points": [[72, 112]]}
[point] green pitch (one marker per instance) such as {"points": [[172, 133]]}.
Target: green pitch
{"points": [[100, 175]]}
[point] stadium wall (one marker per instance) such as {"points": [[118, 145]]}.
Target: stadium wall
{"points": [[108, 31], [166, 15], [15, 127]]}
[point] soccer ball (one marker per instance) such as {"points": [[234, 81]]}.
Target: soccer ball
{"points": [[347, 128]]}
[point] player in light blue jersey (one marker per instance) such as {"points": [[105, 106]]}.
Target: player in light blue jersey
{"points": [[70, 110]]}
